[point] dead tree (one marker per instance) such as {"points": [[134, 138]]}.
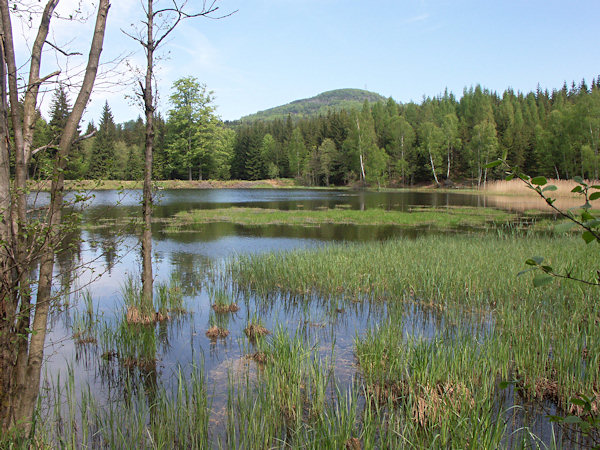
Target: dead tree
{"points": [[25, 243], [158, 23]]}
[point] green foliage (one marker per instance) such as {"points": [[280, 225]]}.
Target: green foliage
{"points": [[102, 162], [192, 137], [319, 105]]}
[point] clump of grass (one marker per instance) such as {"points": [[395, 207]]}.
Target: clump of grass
{"points": [[214, 332], [255, 329], [138, 311], [221, 302], [217, 327], [143, 417], [168, 300]]}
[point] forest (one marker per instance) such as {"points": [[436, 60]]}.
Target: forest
{"points": [[442, 140]]}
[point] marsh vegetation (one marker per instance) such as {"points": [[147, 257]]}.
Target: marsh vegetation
{"points": [[426, 339]]}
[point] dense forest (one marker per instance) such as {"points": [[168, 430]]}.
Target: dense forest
{"points": [[441, 140]]}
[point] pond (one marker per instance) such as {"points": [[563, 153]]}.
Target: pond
{"points": [[196, 260]]}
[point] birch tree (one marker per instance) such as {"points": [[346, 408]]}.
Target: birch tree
{"points": [[25, 242]]}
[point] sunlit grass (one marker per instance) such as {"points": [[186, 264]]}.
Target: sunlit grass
{"points": [[435, 217]]}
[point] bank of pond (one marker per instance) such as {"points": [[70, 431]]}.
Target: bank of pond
{"points": [[430, 340]]}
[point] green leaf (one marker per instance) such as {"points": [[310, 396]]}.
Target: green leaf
{"points": [[542, 280], [539, 181], [577, 189], [493, 164], [534, 261], [595, 196], [579, 402], [547, 269], [550, 187], [579, 180], [510, 177], [588, 237], [585, 216], [572, 419]]}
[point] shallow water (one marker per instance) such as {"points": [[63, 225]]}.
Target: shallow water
{"points": [[113, 256]]}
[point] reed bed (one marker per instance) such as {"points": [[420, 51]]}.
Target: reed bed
{"points": [[518, 187], [496, 349], [539, 338], [149, 416]]}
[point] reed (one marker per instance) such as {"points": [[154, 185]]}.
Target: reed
{"points": [[149, 417], [542, 337], [517, 187], [84, 323]]}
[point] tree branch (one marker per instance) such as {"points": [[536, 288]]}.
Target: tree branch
{"points": [[60, 50]]}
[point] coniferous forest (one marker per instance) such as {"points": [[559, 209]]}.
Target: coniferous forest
{"points": [[441, 140]]}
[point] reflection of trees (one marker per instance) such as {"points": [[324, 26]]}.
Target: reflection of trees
{"points": [[191, 270]]}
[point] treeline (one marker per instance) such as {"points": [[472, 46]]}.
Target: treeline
{"points": [[191, 142], [553, 134], [441, 140]]}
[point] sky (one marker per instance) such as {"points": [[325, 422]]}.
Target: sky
{"points": [[271, 52]]}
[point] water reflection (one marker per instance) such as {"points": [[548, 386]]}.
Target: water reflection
{"points": [[141, 357]]}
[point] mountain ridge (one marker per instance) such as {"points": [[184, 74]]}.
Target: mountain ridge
{"points": [[336, 99]]}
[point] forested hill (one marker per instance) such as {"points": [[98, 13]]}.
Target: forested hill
{"points": [[331, 100]]}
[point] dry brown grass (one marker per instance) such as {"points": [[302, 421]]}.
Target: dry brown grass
{"points": [[134, 315], [516, 196], [215, 332], [429, 402], [224, 309], [432, 401], [254, 331], [259, 357], [518, 187], [353, 444]]}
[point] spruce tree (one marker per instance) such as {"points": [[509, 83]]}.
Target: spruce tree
{"points": [[103, 149]]}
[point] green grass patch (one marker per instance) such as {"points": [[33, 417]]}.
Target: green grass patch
{"points": [[443, 218], [539, 338]]}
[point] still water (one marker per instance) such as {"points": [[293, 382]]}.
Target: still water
{"points": [[111, 255]]}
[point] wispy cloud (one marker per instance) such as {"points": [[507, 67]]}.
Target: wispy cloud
{"points": [[419, 18]]}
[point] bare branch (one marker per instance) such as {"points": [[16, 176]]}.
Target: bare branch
{"points": [[60, 50], [83, 138], [46, 78], [43, 147]]}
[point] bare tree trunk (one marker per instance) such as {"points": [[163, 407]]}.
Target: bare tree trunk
{"points": [[147, 280], [437, 183], [448, 171], [16, 407]]}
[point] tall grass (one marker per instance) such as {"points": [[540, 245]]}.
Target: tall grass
{"points": [[541, 337], [147, 417], [517, 187]]}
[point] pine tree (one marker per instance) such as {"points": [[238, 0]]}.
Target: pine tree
{"points": [[103, 150]]}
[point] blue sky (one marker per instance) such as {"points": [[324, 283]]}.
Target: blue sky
{"points": [[272, 52]]}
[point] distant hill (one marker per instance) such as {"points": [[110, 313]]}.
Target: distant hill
{"points": [[320, 104]]}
